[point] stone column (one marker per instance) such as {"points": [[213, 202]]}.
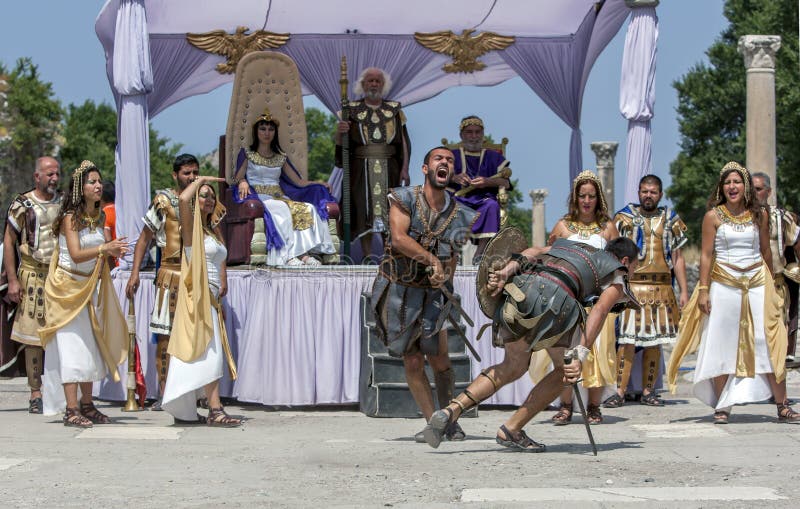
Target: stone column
{"points": [[538, 231], [759, 60], [605, 151]]}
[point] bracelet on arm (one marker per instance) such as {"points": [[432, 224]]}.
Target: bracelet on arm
{"points": [[523, 262], [100, 250], [702, 287]]}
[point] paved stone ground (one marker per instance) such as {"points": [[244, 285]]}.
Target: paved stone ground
{"points": [[649, 457]]}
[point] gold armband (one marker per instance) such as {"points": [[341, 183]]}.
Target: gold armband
{"points": [[702, 287]]}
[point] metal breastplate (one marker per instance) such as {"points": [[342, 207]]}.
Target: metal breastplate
{"points": [[587, 266], [40, 241], [653, 261], [172, 232]]}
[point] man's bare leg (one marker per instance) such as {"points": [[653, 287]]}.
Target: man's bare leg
{"points": [[418, 382], [541, 395], [514, 365]]}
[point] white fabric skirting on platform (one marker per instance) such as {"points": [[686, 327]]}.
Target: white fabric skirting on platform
{"points": [[719, 344], [71, 356], [186, 380], [296, 336]]}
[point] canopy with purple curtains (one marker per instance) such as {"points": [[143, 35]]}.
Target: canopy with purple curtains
{"points": [[150, 64]]}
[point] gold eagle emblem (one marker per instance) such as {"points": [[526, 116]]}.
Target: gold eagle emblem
{"points": [[236, 45], [465, 48]]}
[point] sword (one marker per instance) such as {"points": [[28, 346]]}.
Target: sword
{"points": [[568, 360], [453, 302]]}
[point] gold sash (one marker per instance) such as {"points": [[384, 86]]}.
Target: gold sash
{"points": [[691, 326], [192, 329], [66, 297]]}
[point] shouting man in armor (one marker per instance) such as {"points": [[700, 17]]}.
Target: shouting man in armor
{"points": [[659, 234], [544, 291], [29, 239], [379, 152], [163, 222], [784, 235], [427, 230]]}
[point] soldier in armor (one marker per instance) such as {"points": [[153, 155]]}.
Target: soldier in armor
{"points": [[27, 249], [379, 152], [784, 234], [544, 291], [163, 222], [427, 230], [659, 234]]}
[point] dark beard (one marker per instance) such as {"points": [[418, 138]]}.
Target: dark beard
{"points": [[649, 209], [432, 181]]}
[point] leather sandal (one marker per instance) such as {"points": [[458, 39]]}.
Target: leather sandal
{"points": [[217, 418], [436, 427], [74, 419], [614, 401], [91, 412], [651, 399], [454, 433], [35, 405], [593, 414], [563, 416], [787, 415], [519, 442], [721, 417]]}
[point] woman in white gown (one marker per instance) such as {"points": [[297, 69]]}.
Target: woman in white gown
{"points": [[588, 221], [297, 226], [85, 337], [198, 344], [734, 319]]}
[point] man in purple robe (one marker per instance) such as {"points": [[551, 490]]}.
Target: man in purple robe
{"points": [[476, 181]]}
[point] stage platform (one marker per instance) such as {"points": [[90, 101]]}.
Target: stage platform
{"points": [[295, 333]]}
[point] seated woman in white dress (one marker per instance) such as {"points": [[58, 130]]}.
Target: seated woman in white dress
{"points": [[85, 336], [295, 213], [734, 319], [198, 344]]}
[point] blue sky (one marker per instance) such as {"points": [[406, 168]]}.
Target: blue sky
{"points": [[62, 42]]}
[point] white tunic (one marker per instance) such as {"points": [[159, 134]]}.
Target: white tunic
{"points": [[719, 343], [72, 355], [316, 239], [185, 380]]}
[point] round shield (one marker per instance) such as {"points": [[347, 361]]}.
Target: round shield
{"points": [[498, 251]]}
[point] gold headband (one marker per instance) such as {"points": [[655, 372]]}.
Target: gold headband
{"points": [[470, 121], [742, 171], [77, 178], [267, 117], [589, 176]]}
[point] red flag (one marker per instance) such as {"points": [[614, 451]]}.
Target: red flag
{"points": [[141, 386]]}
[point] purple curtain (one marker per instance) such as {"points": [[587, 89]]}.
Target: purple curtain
{"points": [[132, 81], [637, 95], [540, 62], [320, 59]]}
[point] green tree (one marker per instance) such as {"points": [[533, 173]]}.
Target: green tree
{"points": [[90, 132], [517, 215], [712, 104], [31, 116], [320, 126]]}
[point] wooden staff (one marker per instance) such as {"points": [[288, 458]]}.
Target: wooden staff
{"points": [[345, 139]]}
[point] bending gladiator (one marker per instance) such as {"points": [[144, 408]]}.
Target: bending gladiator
{"points": [[543, 293]]}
